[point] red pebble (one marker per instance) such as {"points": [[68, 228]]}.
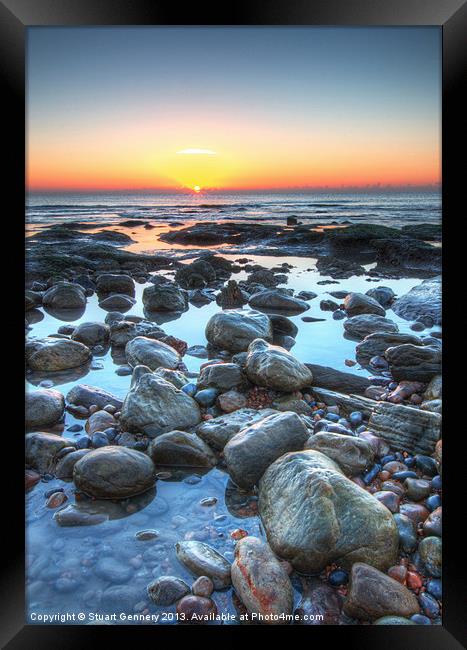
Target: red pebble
{"points": [[413, 580], [238, 533]]}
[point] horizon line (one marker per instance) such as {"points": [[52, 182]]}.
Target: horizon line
{"points": [[425, 187]]}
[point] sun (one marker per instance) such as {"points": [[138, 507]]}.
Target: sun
{"points": [[197, 189]]}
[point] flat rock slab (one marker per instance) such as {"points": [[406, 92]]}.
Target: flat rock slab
{"points": [[406, 428], [342, 382]]}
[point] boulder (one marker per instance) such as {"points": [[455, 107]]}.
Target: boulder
{"points": [[273, 367], [43, 408], [64, 295], [41, 450], [250, 452], [123, 331], [165, 297], [313, 515], [195, 275], [114, 473], [91, 334], [414, 362], [406, 428], [353, 455], [154, 406], [117, 302], [149, 352], [360, 326], [115, 283], [175, 377], [220, 375], [283, 326], [32, 299], [360, 303], [331, 379], [166, 590], [261, 581], [377, 343], [423, 300], [64, 468], [100, 421], [218, 431], [181, 449], [277, 300], [232, 296], [373, 594], [203, 560], [231, 401], [235, 329], [383, 295], [434, 389], [51, 354], [84, 395]]}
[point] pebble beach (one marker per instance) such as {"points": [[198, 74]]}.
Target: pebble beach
{"points": [[233, 410]]}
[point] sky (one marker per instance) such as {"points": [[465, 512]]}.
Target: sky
{"points": [[232, 108]]}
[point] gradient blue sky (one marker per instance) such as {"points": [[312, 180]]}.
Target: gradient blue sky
{"points": [[109, 107]]}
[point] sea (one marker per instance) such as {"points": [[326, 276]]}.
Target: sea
{"points": [[389, 208]]}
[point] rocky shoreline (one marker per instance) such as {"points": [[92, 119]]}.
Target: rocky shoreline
{"points": [[342, 472]]}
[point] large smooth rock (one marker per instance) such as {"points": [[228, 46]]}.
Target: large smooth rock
{"points": [[65, 465], [342, 382], [273, 367], [414, 362], [84, 395], [114, 473], [406, 428], [360, 326], [165, 297], [274, 299], [64, 295], [423, 300], [383, 295], [115, 283], [149, 352], [117, 302], [353, 455], [313, 515], [50, 354], [360, 303], [181, 449], [43, 408], [100, 421], [220, 375], [154, 406], [235, 329], [91, 334], [377, 343], [373, 594], [41, 450], [218, 431], [250, 452], [203, 560], [260, 581]]}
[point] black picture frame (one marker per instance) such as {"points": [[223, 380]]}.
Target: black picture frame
{"points": [[451, 15]]}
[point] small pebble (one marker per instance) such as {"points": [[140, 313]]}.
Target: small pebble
{"points": [[203, 586]]}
